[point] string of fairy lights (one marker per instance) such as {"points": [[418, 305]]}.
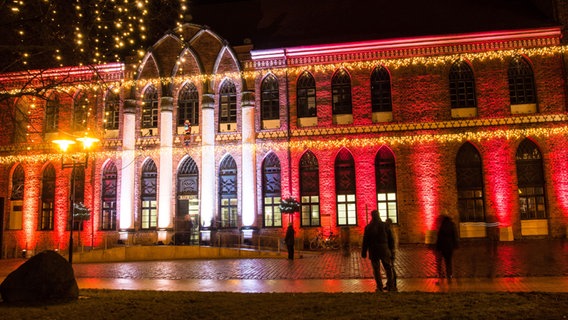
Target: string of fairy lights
{"points": [[101, 28], [321, 143], [391, 63]]}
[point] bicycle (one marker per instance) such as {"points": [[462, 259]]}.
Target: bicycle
{"points": [[321, 242]]}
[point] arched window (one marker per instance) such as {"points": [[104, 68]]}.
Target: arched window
{"points": [[112, 110], [149, 212], [228, 103], [345, 189], [309, 190], [521, 81], [271, 191], [109, 197], [78, 191], [470, 184], [16, 198], [228, 193], [530, 176], [187, 213], [306, 95], [150, 108], [51, 121], [341, 93], [381, 90], [47, 198], [80, 111], [385, 180], [269, 100], [18, 179], [462, 86], [188, 105]]}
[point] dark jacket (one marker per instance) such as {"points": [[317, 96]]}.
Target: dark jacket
{"points": [[289, 239], [377, 239], [447, 237]]}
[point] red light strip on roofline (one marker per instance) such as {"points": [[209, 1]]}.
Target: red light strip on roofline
{"points": [[398, 43]]}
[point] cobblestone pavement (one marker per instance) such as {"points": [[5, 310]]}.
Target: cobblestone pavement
{"points": [[472, 260], [534, 258]]}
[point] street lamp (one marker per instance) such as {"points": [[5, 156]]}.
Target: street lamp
{"points": [[63, 144]]}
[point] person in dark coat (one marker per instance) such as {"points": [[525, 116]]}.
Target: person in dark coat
{"points": [[446, 243], [289, 240], [376, 240]]}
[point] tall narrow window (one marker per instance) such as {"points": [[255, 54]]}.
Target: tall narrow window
{"points": [[150, 108], [18, 179], [270, 102], [521, 81], [341, 93], [228, 103], [47, 198], [462, 86], [112, 110], [16, 198], [385, 180], [271, 191], [345, 188], [187, 213], [470, 184], [309, 190], [381, 90], [51, 121], [78, 190], [306, 95], [228, 193], [109, 197], [149, 212], [531, 181], [188, 105], [80, 111]]}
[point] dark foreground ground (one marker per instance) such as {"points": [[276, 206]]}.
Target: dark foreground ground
{"points": [[119, 304]]}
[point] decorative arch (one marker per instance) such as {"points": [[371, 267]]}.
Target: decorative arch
{"points": [[109, 197], [309, 190], [112, 109], [228, 191], [306, 95], [345, 188], [462, 85], [381, 100], [271, 191], [521, 81], [469, 175], [341, 93], [188, 104], [150, 107], [46, 219], [187, 204], [385, 182], [531, 182], [15, 215], [270, 98], [148, 195]]}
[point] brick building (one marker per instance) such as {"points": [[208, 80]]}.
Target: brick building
{"points": [[470, 122]]}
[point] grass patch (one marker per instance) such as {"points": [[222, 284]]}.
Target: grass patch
{"points": [[121, 304]]}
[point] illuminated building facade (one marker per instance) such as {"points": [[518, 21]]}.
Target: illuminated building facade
{"points": [[473, 125]]}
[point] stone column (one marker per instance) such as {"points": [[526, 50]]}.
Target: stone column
{"points": [[128, 172], [165, 175], [208, 164], [248, 160]]}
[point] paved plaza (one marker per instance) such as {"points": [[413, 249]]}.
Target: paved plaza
{"points": [[527, 265]]}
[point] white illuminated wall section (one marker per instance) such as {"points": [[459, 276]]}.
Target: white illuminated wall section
{"points": [[128, 166], [207, 161], [248, 203], [165, 174]]}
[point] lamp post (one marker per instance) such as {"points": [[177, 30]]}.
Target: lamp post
{"points": [[63, 144]]}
